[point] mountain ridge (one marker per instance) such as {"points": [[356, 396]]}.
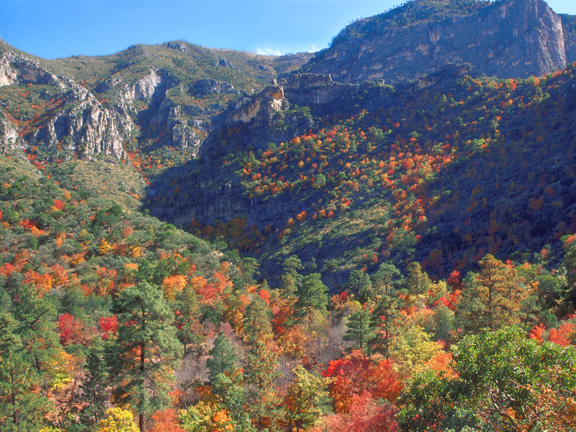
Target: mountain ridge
{"points": [[506, 39]]}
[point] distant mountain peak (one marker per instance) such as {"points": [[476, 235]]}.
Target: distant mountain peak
{"points": [[506, 39]]}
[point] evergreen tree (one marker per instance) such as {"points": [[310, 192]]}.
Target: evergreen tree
{"points": [[493, 297], [291, 278], [313, 294], [360, 285], [417, 282], [257, 320], [95, 389], [359, 328], [303, 400], [144, 350], [261, 372], [231, 393], [223, 357], [387, 279], [22, 407], [35, 317], [386, 306]]}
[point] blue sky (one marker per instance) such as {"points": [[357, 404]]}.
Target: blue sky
{"points": [[61, 28]]}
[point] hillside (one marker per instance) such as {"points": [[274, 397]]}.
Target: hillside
{"points": [[442, 172]]}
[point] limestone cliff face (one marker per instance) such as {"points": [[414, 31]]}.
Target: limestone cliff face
{"points": [[84, 126], [8, 136], [507, 39], [263, 105], [19, 69]]}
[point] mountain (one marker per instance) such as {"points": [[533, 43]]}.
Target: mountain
{"points": [[214, 240], [144, 97], [505, 39], [194, 127]]}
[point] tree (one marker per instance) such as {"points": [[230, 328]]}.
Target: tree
{"points": [[166, 421], [493, 297], [22, 406], [223, 357], [257, 320], [291, 278], [118, 420], [145, 350], [359, 329], [261, 372], [313, 294], [35, 318], [386, 279], [94, 388], [303, 399], [359, 284], [502, 381], [417, 282], [356, 373], [365, 414], [232, 394]]}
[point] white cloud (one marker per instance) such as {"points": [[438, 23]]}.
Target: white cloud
{"points": [[269, 51]]}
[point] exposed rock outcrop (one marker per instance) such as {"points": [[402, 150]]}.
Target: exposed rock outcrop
{"points": [[8, 135], [264, 104], [507, 39], [18, 69], [206, 87], [84, 126]]}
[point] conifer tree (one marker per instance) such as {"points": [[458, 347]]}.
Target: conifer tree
{"points": [[22, 407], [417, 282], [95, 389], [223, 357], [145, 350], [359, 329], [291, 278], [303, 400], [257, 320], [359, 284], [313, 294]]}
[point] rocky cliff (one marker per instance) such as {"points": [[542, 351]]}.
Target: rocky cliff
{"points": [[152, 97], [506, 39]]}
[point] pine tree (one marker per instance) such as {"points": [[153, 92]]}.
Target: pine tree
{"points": [[22, 408], [417, 282], [223, 357], [359, 329], [291, 278], [493, 297], [313, 294], [360, 285], [257, 320], [146, 347], [94, 389], [303, 400], [261, 372]]}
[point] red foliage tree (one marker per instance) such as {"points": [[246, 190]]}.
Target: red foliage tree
{"points": [[109, 325], [166, 421], [70, 329], [365, 415], [355, 374]]}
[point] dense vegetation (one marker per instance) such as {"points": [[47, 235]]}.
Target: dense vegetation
{"points": [[442, 176], [404, 261], [100, 304]]}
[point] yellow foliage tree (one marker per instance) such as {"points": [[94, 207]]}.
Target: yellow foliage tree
{"points": [[105, 247], [118, 420]]}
